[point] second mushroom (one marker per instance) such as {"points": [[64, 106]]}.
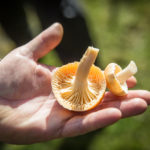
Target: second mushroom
{"points": [[116, 77]]}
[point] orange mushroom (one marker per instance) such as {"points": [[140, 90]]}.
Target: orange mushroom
{"points": [[79, 86], [116, 77]]}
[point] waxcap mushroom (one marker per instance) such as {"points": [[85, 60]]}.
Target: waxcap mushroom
{"points": [[79, 86], [116, 77]]}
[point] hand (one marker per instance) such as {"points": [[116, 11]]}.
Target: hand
{"points": [[29, 112]]}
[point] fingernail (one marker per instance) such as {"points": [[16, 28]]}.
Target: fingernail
{"points": [[58, 26]]}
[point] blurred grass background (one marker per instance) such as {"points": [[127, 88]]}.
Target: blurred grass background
{"points": [[121, 29]]}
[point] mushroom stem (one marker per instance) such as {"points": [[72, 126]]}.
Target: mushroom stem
{"points": [[85, 64], [129, 71]]}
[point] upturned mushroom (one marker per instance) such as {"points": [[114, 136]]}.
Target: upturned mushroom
{"points": [[79, 86], [116, 77]]}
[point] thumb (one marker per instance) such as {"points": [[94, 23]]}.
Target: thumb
{"points": [[44, 42]]}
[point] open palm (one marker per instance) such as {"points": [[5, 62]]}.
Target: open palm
{"points": [[29, 112]]}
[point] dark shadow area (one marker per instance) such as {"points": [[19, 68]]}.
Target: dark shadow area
{"points": [[12, 19], [1, 145], [76, 37]]}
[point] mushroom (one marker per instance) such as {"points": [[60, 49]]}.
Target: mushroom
{"points": [[116, 77], [79, 86]]}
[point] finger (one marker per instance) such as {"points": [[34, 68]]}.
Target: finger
{"points": [[143, 94], [131, 82], [127, 107], [133, 107], [44, 42], [85, 123]]}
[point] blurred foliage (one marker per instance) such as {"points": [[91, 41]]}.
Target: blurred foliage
{"points": [[120, 28], [40, 146], [6, 44]]}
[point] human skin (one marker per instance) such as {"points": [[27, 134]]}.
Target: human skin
{"points": [[29, 112]]}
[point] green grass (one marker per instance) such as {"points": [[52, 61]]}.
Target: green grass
{"points": [[120, 28]]}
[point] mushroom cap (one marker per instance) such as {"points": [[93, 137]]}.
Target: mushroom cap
{"points": [[113, 84], [86, 96]]}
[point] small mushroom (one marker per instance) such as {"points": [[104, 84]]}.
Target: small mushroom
{"points": [[116, 77], [79, 86]]}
